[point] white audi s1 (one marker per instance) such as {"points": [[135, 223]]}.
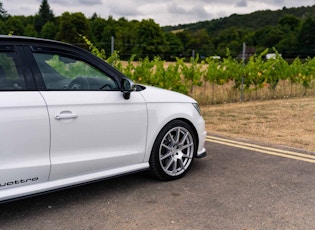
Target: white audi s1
{"points": [[67, 118]]}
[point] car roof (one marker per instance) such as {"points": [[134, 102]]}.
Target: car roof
{"points": [[14, 38], [8, 39]]}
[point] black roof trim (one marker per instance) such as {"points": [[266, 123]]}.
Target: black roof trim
{"points": [[32, 39]]}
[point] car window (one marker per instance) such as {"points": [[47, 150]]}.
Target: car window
{"points": [[66, 73], [10, 76]]}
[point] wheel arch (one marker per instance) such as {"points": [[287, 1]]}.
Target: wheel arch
{"points": [[160, 114], [151, 141]]}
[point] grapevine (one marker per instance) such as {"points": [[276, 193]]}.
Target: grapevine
{"points": [[258, 74]]}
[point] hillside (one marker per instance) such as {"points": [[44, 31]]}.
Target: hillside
{"points": [[252, 21]]}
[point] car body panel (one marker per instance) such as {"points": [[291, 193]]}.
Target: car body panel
{"points": [[157, 95], [24, 139], [108, 131], [165, 106]]}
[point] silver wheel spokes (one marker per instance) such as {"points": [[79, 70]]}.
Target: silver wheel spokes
{"points": [[176, 151]]}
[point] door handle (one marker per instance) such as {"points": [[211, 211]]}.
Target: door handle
{"points": [[66, 115]]}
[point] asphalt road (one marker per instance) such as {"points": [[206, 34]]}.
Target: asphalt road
{"points": [[234, 187]]}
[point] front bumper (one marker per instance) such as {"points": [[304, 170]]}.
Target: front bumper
{"points": [[201, 154]]}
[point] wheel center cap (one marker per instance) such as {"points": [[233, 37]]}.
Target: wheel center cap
{"points": [[175, 149]]}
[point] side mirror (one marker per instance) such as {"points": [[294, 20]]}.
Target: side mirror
{"points": [[127, 86]]}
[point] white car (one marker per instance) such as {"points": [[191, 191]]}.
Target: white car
{"points": [[67, 118]]}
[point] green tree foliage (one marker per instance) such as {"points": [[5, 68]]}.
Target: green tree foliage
{"points": [[49, 30], [44, 15], [268, 37], [3, 17], [70, 26], [3, 12], [15, 25], [122, 32], [30, 31], [261, 29], [2, 27], [231, 38], [184, 38], [306, 37], [97, 25], [290, 31], [290, 22], [175, 46], [150, 40], [201, 43]]}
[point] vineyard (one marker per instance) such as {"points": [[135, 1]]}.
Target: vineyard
{"points": [[214, 81]]}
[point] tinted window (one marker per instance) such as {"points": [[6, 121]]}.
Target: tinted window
{"points": [[11, 77], [64, 73]]}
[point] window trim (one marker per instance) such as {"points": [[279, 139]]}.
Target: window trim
{"points": [[88, 58], [23, 74]]}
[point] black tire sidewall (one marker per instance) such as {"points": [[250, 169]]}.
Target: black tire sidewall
{"points": [[155, 166]]}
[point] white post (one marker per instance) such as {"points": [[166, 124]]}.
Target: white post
{"points": [[112, 44], [243, 59]]}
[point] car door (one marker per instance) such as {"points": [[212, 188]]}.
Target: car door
{"points": [[24, 132], [93, 128]]}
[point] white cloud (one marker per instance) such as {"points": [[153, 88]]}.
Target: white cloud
{"points": [[164, 12], [127, 9]]}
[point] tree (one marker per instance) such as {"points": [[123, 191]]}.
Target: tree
{"points": [[270, 37], [66, 31], [201, 42], [287, 45], [44, 15], [176, 46], [150, 40], [3, 29], [30, 31], [49, 30], [14, 25], [3, 12], [102, 31], [97, 25], [124, 34], [290, 21], [72, 25], [184, 37], [228, 38], [306, 37]]}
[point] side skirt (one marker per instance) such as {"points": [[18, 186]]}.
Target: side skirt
{"points": [[36, 189]]}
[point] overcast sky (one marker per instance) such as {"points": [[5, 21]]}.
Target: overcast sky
{"points": [[164, 12]]}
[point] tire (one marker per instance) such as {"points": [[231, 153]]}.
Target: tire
{"points": [[173, 151]]}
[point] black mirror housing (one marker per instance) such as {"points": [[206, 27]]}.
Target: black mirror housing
{"points": [[127, 86]]}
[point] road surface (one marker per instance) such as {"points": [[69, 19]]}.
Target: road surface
{"points": [[237, 186]]}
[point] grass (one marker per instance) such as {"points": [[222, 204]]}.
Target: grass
{"points": [[289, 122], [218, 94]]}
